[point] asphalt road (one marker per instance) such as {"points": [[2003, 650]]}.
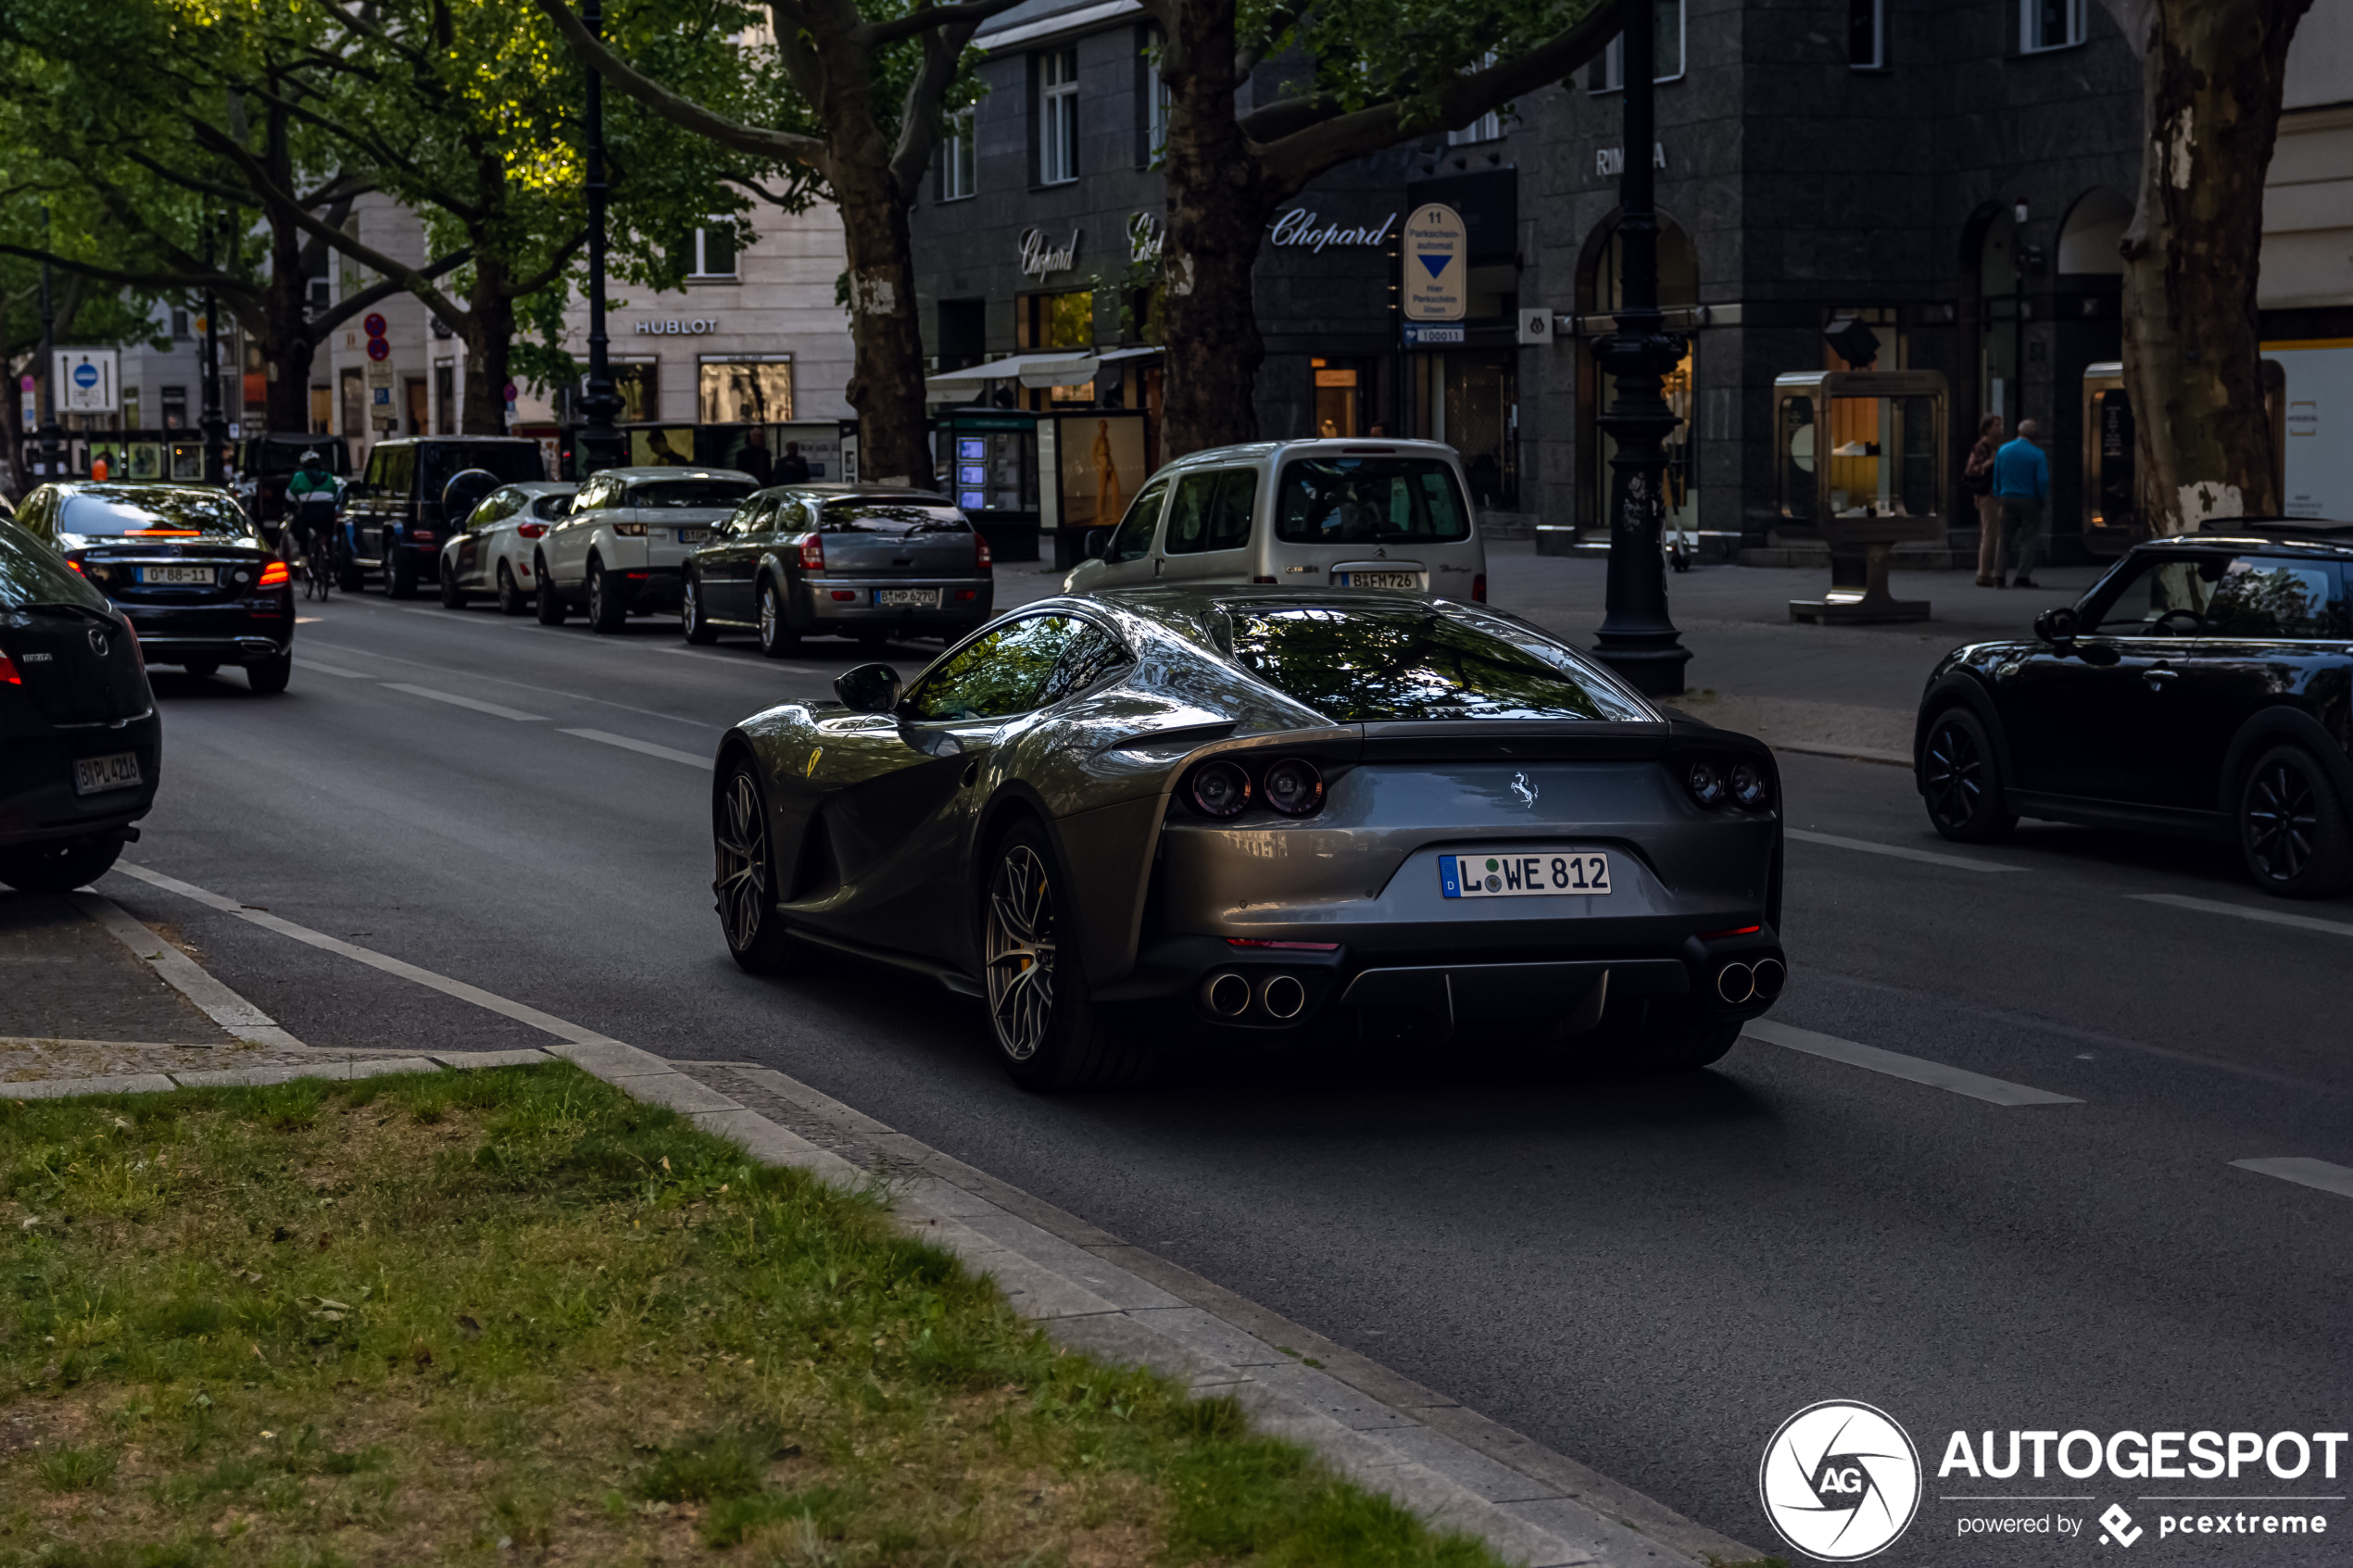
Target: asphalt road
{"points": [[1649, 1275]]}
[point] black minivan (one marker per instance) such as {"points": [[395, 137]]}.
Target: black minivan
{"points": [[393, 514]]}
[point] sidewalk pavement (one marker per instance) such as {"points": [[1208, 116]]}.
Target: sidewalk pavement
{"points": [[97, 987], [1847, 690]]}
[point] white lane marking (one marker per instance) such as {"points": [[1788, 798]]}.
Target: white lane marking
{"points": [[302, 661], [1936, 1074], [2269, 917], [476, 704], [669, 753], [1926, 857], [741, 664], [2319, 1173], [491, 1001], [231, 1011], [526, 686]]}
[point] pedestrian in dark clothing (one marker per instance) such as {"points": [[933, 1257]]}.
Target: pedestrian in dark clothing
{"points": [[755, 459], [2022, 482], [1978, 474], [792, 468]]}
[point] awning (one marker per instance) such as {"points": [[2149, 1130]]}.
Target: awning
{"points": [[1060, 368]]}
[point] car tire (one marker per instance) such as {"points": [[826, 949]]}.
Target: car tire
{"points": [[270, 676], [452, 596], [552, 603], [400, 572], [744, 881], [2292, 826], [58, 868], [201, 669], [691, 619], [1958, 781], [606, 614], [777, 639], [510, 598], [1049, 1035]]}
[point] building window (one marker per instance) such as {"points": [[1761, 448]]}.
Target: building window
{"points": [[1607, 73], [1488, 127], [175, 407], [711, 253], [639, 384], [321, 292], [179, 323], [1058, 117], [1153, 95], [745, 389], [2049, 24], [445, 397], [958, 167], [1057, 320], [1867, 34]]}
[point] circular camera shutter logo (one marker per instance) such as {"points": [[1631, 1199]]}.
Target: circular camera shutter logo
{"points": [[1841, 1481]]}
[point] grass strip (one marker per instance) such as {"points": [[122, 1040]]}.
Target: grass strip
{"points": [[515, 1316]]}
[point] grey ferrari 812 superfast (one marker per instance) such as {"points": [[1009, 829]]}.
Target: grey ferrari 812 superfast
{"points": [[1162, 819]]}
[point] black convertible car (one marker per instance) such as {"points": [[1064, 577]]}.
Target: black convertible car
{"points": [[2204, 687], [1139, 820]]}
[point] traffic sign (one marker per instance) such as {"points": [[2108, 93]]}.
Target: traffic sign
{"points": [[379, 349], [1436, 264], [512, 391], [374, 323], [85, 380]]}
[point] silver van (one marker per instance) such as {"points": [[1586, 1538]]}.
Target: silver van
{"points": [[1321, 514]]}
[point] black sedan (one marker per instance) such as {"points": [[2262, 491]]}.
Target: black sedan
{"points": [[870, 562], [184, 563], [1158, 816], [79, 742], [2204, 687]]}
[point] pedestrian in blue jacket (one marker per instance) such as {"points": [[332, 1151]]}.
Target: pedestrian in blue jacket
{"points": [[2021, 483]]}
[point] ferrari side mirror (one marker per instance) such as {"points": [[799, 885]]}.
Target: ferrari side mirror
{"points": [[868, 688]]}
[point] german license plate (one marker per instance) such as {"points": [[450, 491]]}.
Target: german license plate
{"points": [[693, 535], [180, 576], [1380, 579], [913, 598], [95, 775], [1518, 875]]}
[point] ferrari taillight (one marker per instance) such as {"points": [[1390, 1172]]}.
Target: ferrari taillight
{"points": [[813, 553], [274, 576]]}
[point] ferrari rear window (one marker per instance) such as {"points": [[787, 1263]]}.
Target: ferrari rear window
{"points": [[1365, 664]]}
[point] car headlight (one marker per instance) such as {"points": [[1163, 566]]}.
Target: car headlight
{"points": [[1294, 788], [1219, 789], [1706, 781], [1749, 788]]}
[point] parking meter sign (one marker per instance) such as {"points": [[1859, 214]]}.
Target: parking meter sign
{"points": [[1436, 264]]}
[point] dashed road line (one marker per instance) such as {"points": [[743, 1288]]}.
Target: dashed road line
{"points": [[1936, 1074], [742, 664], [2269, 917], [475, 703], [302, 661], [1925, 857], [529, 686], [2319, 1173], [667, 753]]}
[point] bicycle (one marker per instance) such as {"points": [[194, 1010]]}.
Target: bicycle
{"points": [[319, 536]]}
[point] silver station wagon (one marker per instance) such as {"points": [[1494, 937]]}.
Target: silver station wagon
{"points": [[1299, 514]]}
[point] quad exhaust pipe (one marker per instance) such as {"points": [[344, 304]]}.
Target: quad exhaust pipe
{"points": [[1283, 996], [1759, 981], [1226, 994]]}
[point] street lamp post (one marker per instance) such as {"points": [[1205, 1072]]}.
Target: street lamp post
{"points": [[52, 436], [211, 424], [1636, 639], [600, 442]]}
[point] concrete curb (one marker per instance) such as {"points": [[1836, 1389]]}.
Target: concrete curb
{"points": [[233, 1013]]}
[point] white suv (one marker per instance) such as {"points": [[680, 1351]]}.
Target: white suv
{"points": [[1299, 514], [622, 545]]}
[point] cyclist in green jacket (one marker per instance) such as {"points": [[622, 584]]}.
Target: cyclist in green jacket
{"points": [[312, 495]]}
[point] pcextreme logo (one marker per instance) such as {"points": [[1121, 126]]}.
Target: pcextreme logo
{"points": [[1839, 1481]]}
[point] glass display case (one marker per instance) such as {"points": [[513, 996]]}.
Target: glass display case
{"points": [[2111, 512], [1090, 465], [1862, 462], [987, 461]]}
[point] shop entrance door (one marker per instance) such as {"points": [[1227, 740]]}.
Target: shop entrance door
{"points": [[1341, 389], [1680, 497], [1482, 395]]}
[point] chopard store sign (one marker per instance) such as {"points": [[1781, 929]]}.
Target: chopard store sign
{"points": [[1041, 256], [1298, 226]]}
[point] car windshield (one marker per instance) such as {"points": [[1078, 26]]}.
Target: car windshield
{"points": [[854, 515], [152, 512], [1347, 500], [675, 494], [32, 574], [510, 461], [1363, 664]]}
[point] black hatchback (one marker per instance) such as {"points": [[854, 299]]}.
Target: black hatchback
{"points": [[79, 741], [184, 564], [2203, 688]]}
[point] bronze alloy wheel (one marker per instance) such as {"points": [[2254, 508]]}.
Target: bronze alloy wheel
{"points": [[1020, 952]]}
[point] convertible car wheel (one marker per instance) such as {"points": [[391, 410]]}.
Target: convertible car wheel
{"points": [[1957, 781], [2292, 828], [1046, 1027], [745, 879]]}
